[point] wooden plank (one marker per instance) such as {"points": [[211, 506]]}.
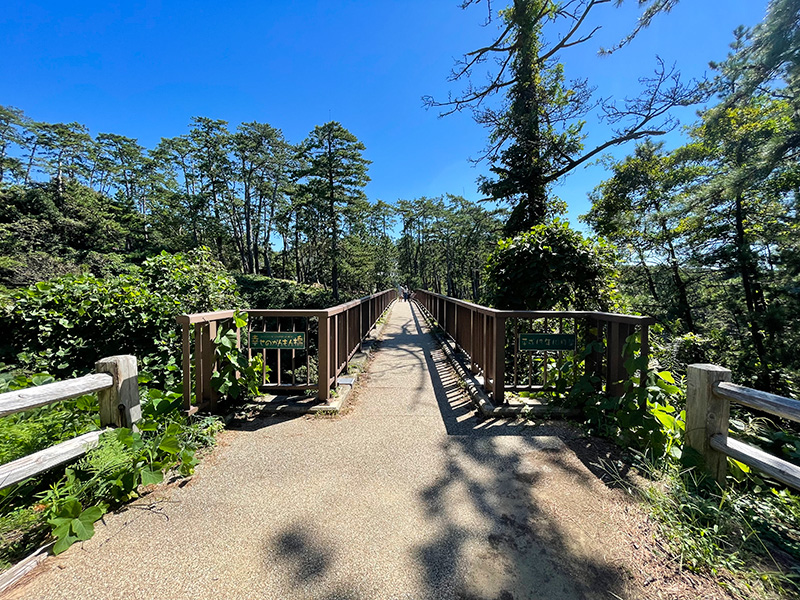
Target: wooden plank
{"points": [[199, 364], [499, 360], [780, 406], [206, 317], [38, 462], [25, 566], [779, 469], [323, 360], [42, 395], [186, 365]]}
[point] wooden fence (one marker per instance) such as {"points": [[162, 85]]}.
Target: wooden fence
{"points": [[709, 393], [490, 339], [331, 336], [117, 387]]}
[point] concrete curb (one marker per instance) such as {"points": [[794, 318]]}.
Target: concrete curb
{"points": [[476, 392], [282, 405]]}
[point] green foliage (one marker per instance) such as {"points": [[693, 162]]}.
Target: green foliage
{"points": [[258, 291], [33, 430], [445, 243], [124, 461], [71, 523], [748, 530], [551, 267], [46, 233], [236, 375], [65, 325]]}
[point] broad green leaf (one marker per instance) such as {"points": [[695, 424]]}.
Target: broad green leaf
{"points": [[150, 477], [63, 543], [82, 529], [170, 445], [667, 376]]}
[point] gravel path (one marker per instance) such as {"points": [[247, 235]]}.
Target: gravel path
{"points": [[406, 495]]}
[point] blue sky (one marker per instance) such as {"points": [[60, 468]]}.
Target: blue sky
{"points": [[143, 68]]}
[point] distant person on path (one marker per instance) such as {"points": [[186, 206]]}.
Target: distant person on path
{"points": [[406, 294], [401, 293]]}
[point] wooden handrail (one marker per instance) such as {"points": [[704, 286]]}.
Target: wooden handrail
{"points": [[786, 408], [117, 387], [544, 314], [42, 395], [709, 393]]}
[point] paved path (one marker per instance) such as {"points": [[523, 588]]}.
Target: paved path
{"points": [[406, 495]]}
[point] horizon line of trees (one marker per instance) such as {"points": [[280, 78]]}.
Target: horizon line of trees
{"points": [[263, 205]]}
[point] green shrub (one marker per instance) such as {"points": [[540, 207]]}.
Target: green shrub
{"points": [[258, 291], [64, 325], [551, 267]]}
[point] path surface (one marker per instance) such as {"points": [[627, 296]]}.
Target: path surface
{"points": [[406, 495]]}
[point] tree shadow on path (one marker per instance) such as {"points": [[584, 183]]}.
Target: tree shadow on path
{"points": [[505, 507]]}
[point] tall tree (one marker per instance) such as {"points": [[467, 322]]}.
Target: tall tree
{"points": [[335, 178], [638, 209], [537, 136], [12, 121]]}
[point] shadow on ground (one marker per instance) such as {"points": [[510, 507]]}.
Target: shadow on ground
{"points": [[513, 476], [512, 513]]}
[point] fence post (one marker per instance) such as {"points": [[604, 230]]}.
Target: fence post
{"points": [[186, 361], [499, 359], [119, 404], [706, 415], [323, 366]]}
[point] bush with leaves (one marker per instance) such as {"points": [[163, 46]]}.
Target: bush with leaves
{"points": [[64, 325], [551, 267], [236, 375], [258, 291], [124, 461]]}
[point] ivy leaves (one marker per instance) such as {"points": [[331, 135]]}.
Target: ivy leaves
{"points": [[236, 374]]}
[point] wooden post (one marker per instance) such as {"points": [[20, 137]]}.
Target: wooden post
{"points": [[323, 366], [706, 415], [645, 353], [614, 354], [210, 395], [186, 363], [499, 359], [119, 404]]}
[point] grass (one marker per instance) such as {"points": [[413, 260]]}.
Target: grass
{"points": [[746, 536]]}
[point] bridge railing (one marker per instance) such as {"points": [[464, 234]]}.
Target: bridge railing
{"points": [[709, 394], [507, 349], [305, 349]]}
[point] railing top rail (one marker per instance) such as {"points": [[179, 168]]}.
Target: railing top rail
{"points": [[42, 395], [219, 315], [544, 314], [780, 406]]}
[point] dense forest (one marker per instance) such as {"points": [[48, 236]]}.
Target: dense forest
{"points": [[703, 237], [263, 206]]}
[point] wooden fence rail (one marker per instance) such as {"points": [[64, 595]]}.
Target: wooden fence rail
{"points": [[709, 393], [116, 384], [490, 338], [331, 337]]}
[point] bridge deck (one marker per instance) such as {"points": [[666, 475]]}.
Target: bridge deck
{"points": [[407, 495]]}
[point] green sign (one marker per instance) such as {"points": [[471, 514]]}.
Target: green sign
{"points": [[277, 340], [547, 341]]}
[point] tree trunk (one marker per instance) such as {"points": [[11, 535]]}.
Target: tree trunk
{"points": [[754, 298]]}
